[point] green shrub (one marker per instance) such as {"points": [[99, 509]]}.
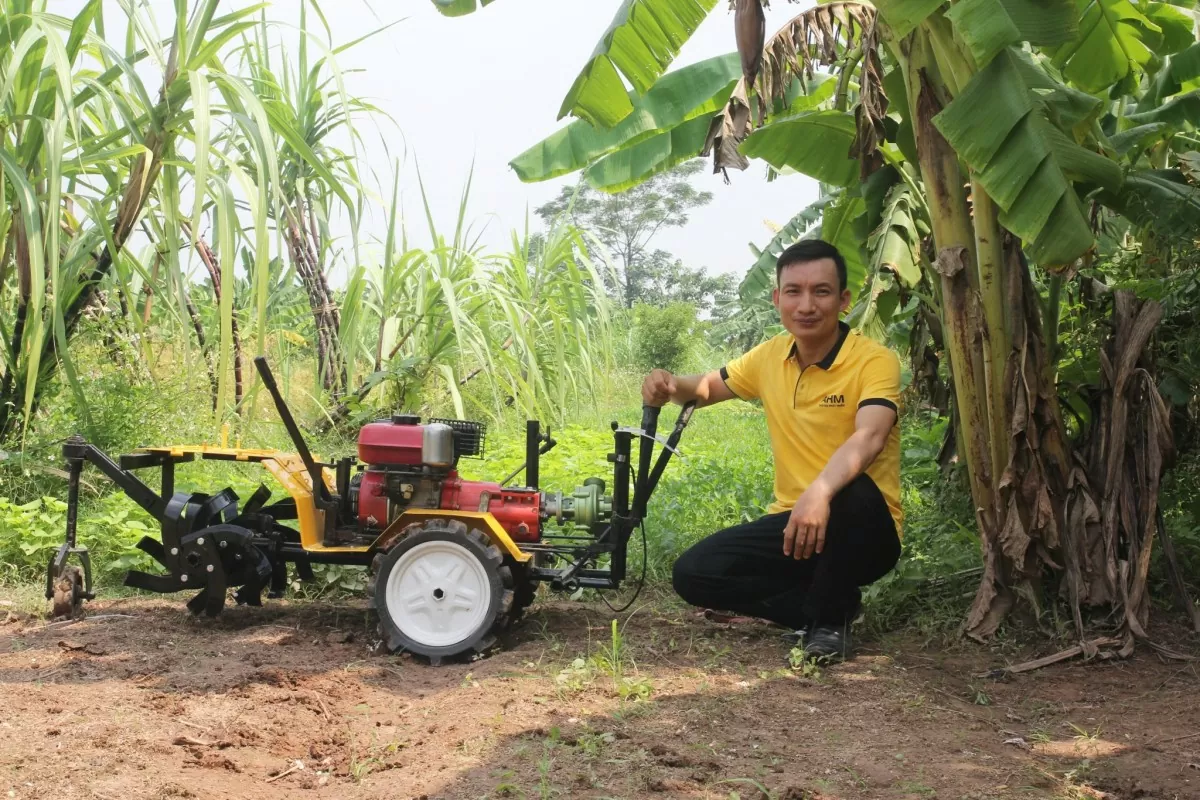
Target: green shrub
{"points": [[932, 584], [664, 337], [110, 528]]}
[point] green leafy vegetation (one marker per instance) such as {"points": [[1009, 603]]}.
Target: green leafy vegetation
{"points": [[138, 277]]}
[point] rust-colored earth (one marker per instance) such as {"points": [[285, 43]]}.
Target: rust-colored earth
{"points": [[289, 701]]}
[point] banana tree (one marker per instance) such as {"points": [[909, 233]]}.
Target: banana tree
{"points": [[1007, 131]]}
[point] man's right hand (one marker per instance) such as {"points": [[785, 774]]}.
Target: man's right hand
{"points": [[658, 388]]}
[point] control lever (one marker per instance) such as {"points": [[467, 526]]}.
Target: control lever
{"points": [[548, 444], [645, 455]]}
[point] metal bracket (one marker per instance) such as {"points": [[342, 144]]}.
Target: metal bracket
{"points": [[662, 440]]}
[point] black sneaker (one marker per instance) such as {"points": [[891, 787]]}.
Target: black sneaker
{"points": [[798, 637], [828, 643]]}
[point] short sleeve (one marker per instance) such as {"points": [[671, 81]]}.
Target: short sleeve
{"points": [[742, 374], [881, 381]]}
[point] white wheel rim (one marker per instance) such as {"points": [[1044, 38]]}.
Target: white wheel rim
{"points": [[438, 593]]}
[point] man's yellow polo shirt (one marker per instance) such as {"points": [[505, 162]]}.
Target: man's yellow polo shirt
{"points": [[810, 412]]}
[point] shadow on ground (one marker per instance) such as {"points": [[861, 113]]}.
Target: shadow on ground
{"points": [[684, 708]]}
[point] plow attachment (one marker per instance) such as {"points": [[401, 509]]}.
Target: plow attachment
{"points": [[207, 543]]}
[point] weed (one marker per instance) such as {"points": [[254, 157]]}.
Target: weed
{"points": [[1039, 736], [629, 711], [612, 660], [506, 788], [592, 743], [376, 757], [913, 787], [1074, 782], [979, 697], [1084, 736], [762, 791], [575, 677], [546, 763], [802, 664], [858, 780]]}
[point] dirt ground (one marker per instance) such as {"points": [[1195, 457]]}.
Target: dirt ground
{"points": [[140, 700]]}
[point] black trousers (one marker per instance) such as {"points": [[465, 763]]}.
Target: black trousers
{"points": [[743, 569]]}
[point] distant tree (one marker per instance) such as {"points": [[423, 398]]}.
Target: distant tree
{"points": [[628, 222], [662, 279]]}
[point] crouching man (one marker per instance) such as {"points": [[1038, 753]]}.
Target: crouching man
{"points": [[830, 398]]}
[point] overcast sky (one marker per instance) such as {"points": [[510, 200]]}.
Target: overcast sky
{"points": [[485, 87], [489, 85]]}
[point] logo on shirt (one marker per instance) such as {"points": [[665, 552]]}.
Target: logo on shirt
{"points": [[833, 401]]}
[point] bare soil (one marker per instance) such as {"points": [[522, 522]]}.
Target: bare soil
{"points": [[291, 701]]}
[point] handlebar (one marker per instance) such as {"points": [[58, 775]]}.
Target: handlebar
{"points": [[646, 479], [320, 491]]}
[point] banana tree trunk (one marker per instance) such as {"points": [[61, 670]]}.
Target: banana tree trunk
{"points": [[1011, 438], [954, 237], [1086, 514]]}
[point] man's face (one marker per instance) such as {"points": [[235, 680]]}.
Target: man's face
{"points": [[809, 300]]}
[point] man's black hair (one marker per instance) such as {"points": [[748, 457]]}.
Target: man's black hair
{"points": [[812, 250]]}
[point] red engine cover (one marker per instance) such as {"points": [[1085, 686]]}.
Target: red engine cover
{"points": [[372, 501], [516, 511], [386, 443]]}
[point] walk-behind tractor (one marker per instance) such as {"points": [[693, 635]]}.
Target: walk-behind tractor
{"points": [[451, 561]]}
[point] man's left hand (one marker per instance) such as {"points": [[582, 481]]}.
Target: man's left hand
{"points": [[804, 533]]}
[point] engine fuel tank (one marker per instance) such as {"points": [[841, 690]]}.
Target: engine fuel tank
{"points": [[397, 442]]}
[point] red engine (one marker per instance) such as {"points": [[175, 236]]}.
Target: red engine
{"points": [[410, 465]]}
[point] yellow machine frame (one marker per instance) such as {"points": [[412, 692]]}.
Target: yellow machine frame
{"points": [[289, 470]]}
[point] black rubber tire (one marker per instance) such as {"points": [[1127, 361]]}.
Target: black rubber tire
{"points": [[478, 544], [524, 591]]}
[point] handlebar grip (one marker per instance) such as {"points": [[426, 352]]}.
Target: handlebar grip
{"points": [[260, 362], [650, 418]]}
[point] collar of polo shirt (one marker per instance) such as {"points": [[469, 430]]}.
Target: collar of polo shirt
{"points": [[826, 362]]}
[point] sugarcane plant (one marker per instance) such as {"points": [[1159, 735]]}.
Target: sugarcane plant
{"points": [[184, 222]]}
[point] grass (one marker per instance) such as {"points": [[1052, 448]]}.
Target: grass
{"points": [[723, 477], [612, 660]]}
